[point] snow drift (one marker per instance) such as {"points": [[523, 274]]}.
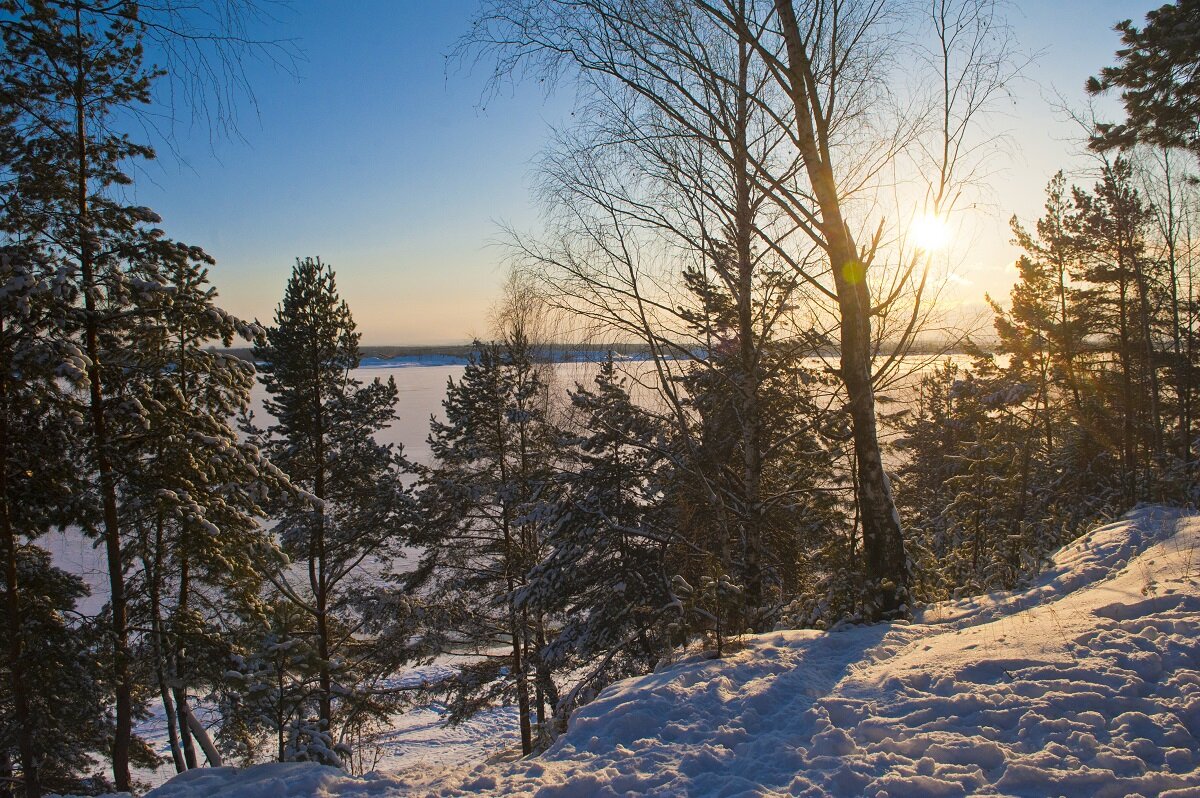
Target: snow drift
{"points": [[1085, 684]]}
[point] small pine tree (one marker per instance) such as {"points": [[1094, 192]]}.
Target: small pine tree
{"points": [[753, 495], [274, 685], [605, 568], [65, 689], [486, 501]]}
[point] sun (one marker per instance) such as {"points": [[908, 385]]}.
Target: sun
{"points": [[929, 232]]}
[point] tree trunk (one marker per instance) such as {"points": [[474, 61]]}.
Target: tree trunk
{"points": [[201, 734], [154, 578], [318, 576], [177, 665], [886, 563], [750, 375], [1143, 290], [1128, 440], [122, 679], [510, 565]]}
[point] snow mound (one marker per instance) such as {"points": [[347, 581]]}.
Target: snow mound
{"points": [[1085, 684], [274, 780]]}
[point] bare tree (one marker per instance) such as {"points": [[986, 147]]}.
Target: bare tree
{"points": [[657, 192], [761, 136]]}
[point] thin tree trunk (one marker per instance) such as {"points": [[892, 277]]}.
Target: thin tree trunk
{"points": [[318, 576], [1068, 346], [749, 376], [1156, 427], [164, 692], [1182, 383], [1128, 439], [511, 563], [122, 678], [177, 665], [201, 734], [154, 577], [280, 715]]}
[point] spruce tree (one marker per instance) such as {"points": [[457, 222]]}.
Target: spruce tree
{"points": [[65, 691], [349, 526], [275, 681], [605, 571], [486, 503]]}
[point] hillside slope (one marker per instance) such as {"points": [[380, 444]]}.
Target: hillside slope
{"points": [[1086, 684]]}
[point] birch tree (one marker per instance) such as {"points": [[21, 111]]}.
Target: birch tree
{"points": [[773, 130]]}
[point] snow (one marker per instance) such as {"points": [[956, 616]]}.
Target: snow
{"points": [[1085, 684], [410, 361]]}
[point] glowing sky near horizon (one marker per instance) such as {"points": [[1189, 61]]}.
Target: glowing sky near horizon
{"points": [[380, 160]]}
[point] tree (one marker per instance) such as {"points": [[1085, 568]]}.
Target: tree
{"points": [[732, 128], [70, 73], [322, 437], [194, 494], [1158, 75], [1112, 223], [37, 478], [1043, 300], [71, 68], [832, 68], [485, 503], [606, 568], [274, 684], [65, 690]]}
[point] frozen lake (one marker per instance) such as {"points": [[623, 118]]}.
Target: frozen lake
{"points": [[421, 390]]}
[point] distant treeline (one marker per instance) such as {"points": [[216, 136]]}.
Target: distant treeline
{"points": [[575, 353]]}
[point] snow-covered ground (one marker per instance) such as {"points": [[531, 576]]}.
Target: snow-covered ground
{"points": [[1086, 684]]}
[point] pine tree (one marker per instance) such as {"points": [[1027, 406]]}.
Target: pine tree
{"points": [[194, 495], [605, 571], [486, 501], [277, 681], [1158, 78], [70, 68], [754, 496], [161, 472], [974, 480], [930, 434], [1111, 225], [322, 437], [37, 480]]}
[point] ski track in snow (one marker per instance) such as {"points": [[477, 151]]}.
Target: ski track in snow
{"points": [[1086, 684]]}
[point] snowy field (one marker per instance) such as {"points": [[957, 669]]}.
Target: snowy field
{"points": [[1086, 684]]}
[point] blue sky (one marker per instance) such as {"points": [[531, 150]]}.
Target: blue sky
{"points": [[377, 158]]}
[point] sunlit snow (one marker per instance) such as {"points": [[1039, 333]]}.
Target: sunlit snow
{"points": [[1085, 684]]}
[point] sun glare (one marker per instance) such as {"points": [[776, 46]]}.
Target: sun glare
{"points": [[930, 233]]}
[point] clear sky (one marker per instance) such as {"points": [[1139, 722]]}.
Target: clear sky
{"points": [[381, 161]]}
